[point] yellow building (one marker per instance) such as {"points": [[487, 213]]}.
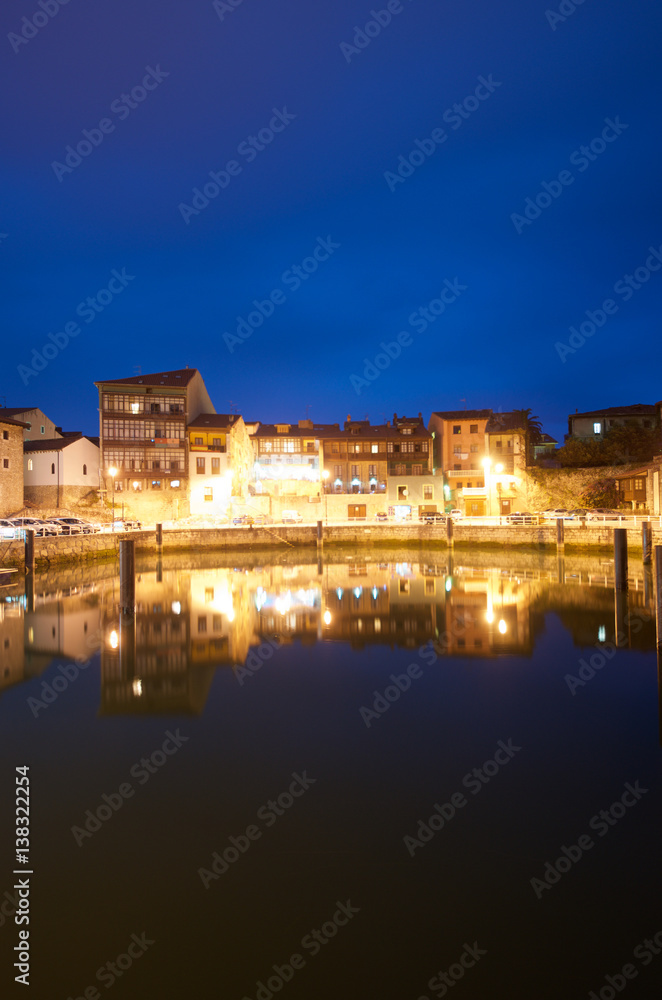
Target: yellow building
{"points": [[220, 460]]}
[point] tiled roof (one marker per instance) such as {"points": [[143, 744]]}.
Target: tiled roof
{"points": [[643, 471], [10, 420], [462, 414], [55, 444], [220, 421], [179, 377], [636, 410], [11, 411]]}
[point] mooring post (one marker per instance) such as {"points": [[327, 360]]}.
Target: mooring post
{"points": [[29, 550], [127, 576], [449, 532], [621, 558], [647, 542], [560, 535], [159, 535], [320, 536]]}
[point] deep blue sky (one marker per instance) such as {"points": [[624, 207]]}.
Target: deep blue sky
{"points": [[323, 175]]}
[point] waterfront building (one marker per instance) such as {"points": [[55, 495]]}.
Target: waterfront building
{"points": [[11, 465], [61, 471], [221, 462], [143, 437]]}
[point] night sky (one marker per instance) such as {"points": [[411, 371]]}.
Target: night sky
{"points": [[347, 111]]}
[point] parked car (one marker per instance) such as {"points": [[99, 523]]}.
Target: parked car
{"points": [[7, 529], [522, 517], [79, 526], [455, 514], [38, 525], [261, 519], [432, 517], [556, 513], [243, 519], [124, 526], [604, 514], [291, 517], [381, 516]]}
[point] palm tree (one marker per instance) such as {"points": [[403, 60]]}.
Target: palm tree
{"points": [[532, 427]]}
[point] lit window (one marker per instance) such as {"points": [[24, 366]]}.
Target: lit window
{"points": [[597, 427], [209, 493], [374, 448], [29, 465], [457, 428], [174, 484]]}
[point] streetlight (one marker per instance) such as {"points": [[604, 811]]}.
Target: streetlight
{"points": [[112, 472], [486, 466], [325, 477]]}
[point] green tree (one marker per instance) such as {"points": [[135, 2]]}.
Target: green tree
{"points": [[581, 453], [532, 428]]}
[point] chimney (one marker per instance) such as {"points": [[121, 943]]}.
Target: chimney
{"points": [[349, 417]]}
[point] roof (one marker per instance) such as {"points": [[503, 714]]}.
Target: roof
{"points": [[462, 414], [547, 439], [11, 411], [637, 409], [57, 444], [219, 421], [316, 431], [643, 471], [179, 377], [10, 420]]}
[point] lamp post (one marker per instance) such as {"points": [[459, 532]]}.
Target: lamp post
{"points": [[112, 472], [325, 477], [486, 466]]}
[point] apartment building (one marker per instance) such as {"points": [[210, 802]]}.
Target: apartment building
{"points": [[287, 458], [37, 425], [143, 423], [362, 458], [594, 424], [221, 462]]}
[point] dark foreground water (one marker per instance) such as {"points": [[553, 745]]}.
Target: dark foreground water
{"points": [[341, 780]]}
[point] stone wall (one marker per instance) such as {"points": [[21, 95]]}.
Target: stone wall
{"points": [[54, 497], [359, 537], [11, 474]]}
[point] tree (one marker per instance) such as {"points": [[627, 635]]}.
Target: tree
{"points": [[601, 493], [532, 428], [581, 453]]}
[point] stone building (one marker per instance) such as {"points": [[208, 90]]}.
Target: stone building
{"points": [[11, 466]]}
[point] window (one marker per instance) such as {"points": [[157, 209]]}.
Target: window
{"points": [[154, 407], [638, 484], [175, 484], [458, 486], [417, 470], [597, 427], [29, 426], [200, 466], [428, 492], [30, 465], [156, 464], [202, 623], [209, 493], [355, 448], [215, 466], [372, 471], [401, 470], [84, 470], [354, 471], [457, 450], [5, 463], [156, 484], [468, 486], [335, 447], [216, 442], [480, 484], [52, 468], [43, 430], [197, 440], [456, 468], [499, 443], [474, 449], [457, 428], [5, 435], [473, 428], [137, 486], [374, 448], [337, 471]]}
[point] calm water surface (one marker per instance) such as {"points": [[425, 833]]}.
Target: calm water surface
{"points": [[398, 779]]}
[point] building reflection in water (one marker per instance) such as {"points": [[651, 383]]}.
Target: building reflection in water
{"points": [[189, 622]]}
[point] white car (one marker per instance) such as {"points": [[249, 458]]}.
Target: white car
{"points": [[7, 529], [291, 517], [455, 514]]}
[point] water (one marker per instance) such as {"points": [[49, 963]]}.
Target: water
{"points": [[341, 779]]}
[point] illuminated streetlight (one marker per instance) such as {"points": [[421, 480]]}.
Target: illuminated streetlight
{"points": [[327, 617], [503, 628], [499, 468], [113, 640], [112, 472]]}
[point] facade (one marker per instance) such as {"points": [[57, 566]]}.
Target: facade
{"points": [[634, 487], [221, 462], [60, 472], [459, 449], [37, 425], [544, 449], [11, 465], [505, 462], [364, 459], [286, 460], [596, 423], [143, 434]]}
